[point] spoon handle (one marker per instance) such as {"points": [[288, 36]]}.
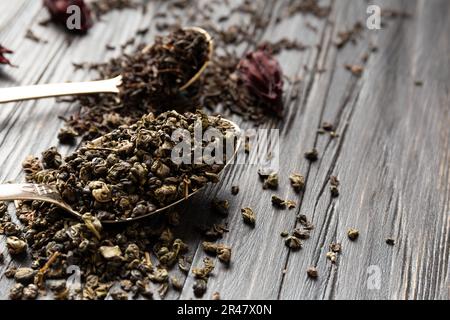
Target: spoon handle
{"points": [[31, 191], [27, 191], [59, 89]]}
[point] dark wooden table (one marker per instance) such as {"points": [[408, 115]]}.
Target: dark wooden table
{"points": [[392, 156]]}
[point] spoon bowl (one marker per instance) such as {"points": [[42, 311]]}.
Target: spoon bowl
{"points": [[49, 193]]}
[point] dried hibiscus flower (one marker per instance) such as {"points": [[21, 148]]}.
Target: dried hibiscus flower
{"points": [[61, 12], [3, 59], [262, 76]]}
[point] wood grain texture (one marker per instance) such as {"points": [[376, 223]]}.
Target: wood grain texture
{"points": [[392, 156]]}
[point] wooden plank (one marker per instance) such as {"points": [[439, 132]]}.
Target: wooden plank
{"points": [[392, 157], [392, 160]]}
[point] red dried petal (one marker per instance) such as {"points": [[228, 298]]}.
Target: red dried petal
{"points": [[3, 59], [58, 12], [261, 74]]}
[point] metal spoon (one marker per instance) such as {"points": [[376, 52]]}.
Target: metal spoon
{"points": [[48, 193], [89, 87]]}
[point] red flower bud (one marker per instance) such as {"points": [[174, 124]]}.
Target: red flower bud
{"points": [[3, 59], [261, 74], [59, 14]]}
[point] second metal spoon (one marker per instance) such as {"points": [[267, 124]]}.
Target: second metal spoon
{"points": [[89, 87]]}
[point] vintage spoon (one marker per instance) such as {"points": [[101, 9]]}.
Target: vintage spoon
{"points": [[102, 86], [48, 193]]}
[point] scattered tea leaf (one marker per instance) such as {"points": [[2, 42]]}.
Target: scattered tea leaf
{"points": [[356, 70], [334, 191], [312, 155], [220, 206], [297, 181], [332, 256], [278, 202], [291, 204], [353, 234], [312, 272], [271, 182], [293, 243], [248, 215], [216, 295], [335, 247], [390, 241]]}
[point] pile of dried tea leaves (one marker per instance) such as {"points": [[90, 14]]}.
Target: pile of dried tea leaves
{"points": [[136, 258], [151, 81], [126, 173], [249, 84], [130, 172]]}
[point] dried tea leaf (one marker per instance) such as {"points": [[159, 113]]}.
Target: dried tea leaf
{"points": [[176, 283], [210, 247], [3, 208], [30, 292], [312, 155], [332, 256], [24, 275], [334, 181], [119, 295], [214, 232], [220, 206], [93, 224], [271, 182], [100, 191], [159, 275], [334, 191], [110, 252], [51, 159], [353, 234], [184, 264], [303, 220], [301, 234], [222, 251], [312, 272], [15, 245], [205, 271], [278, 202], [16, 292], [356, 70], [216, 295], [224, 254], [234, 190], [291, 204], [67, 136], [248, 215], [10, 272], [327, 126], [293, 243], [297, 182], [390, 241], [200, 286], [335, 247]]}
